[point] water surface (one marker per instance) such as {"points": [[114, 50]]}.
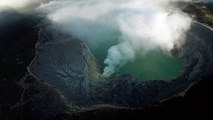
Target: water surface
{"points": [[155, 65]]}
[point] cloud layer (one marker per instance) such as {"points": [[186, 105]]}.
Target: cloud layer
{"points": [[143, 25]]}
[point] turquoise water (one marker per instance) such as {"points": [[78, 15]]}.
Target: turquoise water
{"points": [[155, 65]]}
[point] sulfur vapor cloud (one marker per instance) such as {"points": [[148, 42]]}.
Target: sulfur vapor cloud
{"points": [[143, 25]]}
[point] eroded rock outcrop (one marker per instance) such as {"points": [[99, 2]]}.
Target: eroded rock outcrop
{"points": [[67, 63], [64, 77], [23, 97]]}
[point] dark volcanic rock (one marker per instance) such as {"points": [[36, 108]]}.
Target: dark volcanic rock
{"points": [[46, 74], [65, 62], [23, 97], [38, 101], [198, 48], [17, 39], [202, 12]]}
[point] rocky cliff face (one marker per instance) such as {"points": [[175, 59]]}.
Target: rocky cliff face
{"points": [[201, 11], [196, 51], [67, 63], [45, 72], [21, 95]]}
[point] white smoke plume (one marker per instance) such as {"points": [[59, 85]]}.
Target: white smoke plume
{"points": [[143, 25], [21, 5]]}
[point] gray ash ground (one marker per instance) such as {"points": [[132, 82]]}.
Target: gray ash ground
{"points": [[39, 80]]}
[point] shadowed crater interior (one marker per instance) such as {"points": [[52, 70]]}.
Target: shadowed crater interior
{"points": [[68, 64], [45, 71]]}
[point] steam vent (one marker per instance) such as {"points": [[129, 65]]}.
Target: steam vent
{"points": [[104, 59]]}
